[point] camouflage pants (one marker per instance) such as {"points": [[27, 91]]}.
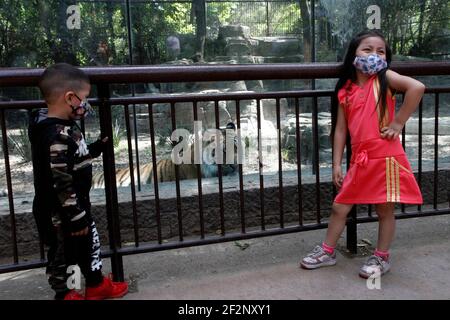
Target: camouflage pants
{"points": [[66, 250]]}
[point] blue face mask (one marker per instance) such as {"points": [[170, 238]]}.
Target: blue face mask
{"points": [[371, 64]]}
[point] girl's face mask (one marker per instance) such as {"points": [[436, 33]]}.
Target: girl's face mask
{"points": [[370, 64]]}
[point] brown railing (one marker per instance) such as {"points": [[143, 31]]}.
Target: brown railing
{"points": [[103, 77]]}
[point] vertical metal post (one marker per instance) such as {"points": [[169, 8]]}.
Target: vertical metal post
{"points": [[260, 165], [313, 37], [129, 33], [352, 231], [112, 207], [132, 184], [177, 175], [436, 150], [313, 59], [299, 163], [280, 163], [316, 147], [133, 92], [12, 215], [198, 139], [419, 151], [352, 237], [241, 174], [219, 167], [402, 206]]}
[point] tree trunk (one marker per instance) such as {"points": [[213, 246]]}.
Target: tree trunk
{"points": [[307, 39], [199, 12], [138, 42], [109, 13], [64, 52], [329, 36], [306, 28], [421, 18]]}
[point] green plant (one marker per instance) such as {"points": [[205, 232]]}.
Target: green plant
{"points": [[21, 144], [163, 137], [118, 134], [289, 154]]}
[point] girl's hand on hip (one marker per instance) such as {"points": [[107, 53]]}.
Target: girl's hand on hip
{"points": [[392, 131], [337, 176]]}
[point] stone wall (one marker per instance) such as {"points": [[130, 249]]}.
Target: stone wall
{"points": [[28, 240]]}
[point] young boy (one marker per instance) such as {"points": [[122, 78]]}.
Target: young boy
{"points": [[62, 179]]}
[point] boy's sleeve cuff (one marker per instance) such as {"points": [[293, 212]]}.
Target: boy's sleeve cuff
{"points": [[80, 222]]}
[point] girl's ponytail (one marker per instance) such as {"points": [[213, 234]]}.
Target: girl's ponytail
{"points": [[382, 96]]}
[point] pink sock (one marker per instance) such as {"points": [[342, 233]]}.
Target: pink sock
{"points": [[382, 254], [328, 249]]}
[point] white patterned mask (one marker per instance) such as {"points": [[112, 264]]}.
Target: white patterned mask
{"points": [[371, 64]]}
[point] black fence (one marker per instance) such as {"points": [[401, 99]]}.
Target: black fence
{"points": [[102, 78]]}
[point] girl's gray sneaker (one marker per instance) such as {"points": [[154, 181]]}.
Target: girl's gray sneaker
{"points": [[318, 258], [374, 265]]}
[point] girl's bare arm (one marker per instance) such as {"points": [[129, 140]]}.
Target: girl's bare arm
{"points": [[413, 90], [340, 137]]}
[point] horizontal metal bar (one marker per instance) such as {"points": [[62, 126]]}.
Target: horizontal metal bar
{"points": [[5, 268], [176, 98], [134, 74], [144, 248], [18, 105], [437, 90], [408, 215], [224, 96], [219, 239], [258, 234]]}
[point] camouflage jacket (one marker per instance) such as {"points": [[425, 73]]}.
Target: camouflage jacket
{"points": [[62, 168]]}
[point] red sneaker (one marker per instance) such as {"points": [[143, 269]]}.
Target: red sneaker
{"points": [[107, 290], [73, 295]]}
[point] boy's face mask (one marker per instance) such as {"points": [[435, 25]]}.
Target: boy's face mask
{"points": [[370, 64], [84, 106]]}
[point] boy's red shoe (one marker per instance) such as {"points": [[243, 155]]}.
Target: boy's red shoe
{"points": [[73, 295], [107, 290]]}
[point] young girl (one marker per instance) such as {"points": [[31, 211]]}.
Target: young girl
{"points": [[379, 170]]}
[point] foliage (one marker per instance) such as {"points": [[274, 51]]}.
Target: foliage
{"points": [[21, 144], [218, 14], [33, 33], [409, 26], [119, 133]]}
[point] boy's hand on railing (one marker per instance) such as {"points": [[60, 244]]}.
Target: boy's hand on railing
{"points": [[96, 148]]}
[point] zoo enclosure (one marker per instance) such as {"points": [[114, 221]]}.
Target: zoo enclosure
{"points": [[104, 77]]}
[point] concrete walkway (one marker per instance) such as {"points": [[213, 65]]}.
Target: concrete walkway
{"points": [[268, 269]]}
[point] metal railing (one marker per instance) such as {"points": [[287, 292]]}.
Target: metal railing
{"points": [[103, 77]]}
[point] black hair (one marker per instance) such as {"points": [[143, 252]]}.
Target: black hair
{"points": [[59, 78], [348, 71]]}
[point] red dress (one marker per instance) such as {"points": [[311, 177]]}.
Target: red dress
{"points": [[379, 170]]}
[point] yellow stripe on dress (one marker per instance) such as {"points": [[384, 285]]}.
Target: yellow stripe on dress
{"points": [[393, 184], [397, 181], [388, 181], [393, 179]]}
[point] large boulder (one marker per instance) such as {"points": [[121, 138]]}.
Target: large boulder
{"points": [[234, 31]]}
